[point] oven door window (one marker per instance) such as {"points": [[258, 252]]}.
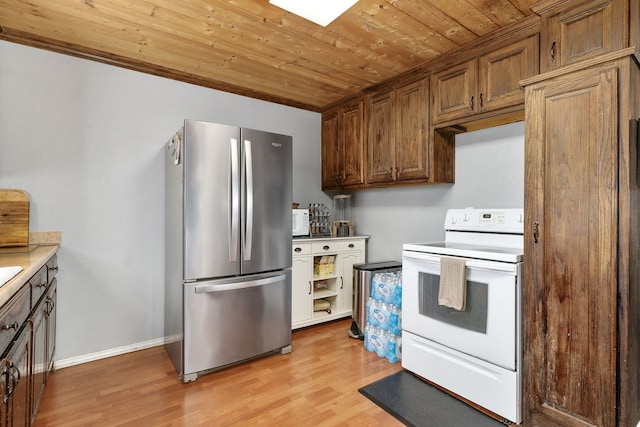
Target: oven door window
{"points": [[473, 318]]}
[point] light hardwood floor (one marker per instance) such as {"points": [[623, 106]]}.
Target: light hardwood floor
{"points": [[315, 385]]}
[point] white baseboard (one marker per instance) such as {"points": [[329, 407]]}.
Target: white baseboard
{"points": [[91, 357]]}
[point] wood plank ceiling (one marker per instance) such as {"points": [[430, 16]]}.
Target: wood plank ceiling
{"points": [[252, 48]]}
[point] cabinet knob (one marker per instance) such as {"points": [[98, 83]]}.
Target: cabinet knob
{"points": [[298, 249], [351, 245], [15, 325], [325, 247]]}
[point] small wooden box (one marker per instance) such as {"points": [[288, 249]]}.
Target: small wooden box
{"points": [[14, 218]]}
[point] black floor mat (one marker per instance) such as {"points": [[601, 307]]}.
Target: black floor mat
{"points": [[417, 403]]}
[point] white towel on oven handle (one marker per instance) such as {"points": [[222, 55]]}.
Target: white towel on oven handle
{"points": [[453, 283]]}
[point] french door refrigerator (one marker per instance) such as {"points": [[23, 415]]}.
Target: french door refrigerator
{"points": [[227, 246]]}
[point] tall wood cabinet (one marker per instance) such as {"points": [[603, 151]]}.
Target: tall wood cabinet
{"points": [[581, 305]]}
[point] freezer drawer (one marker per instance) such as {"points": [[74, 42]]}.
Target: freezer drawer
{"points": [[231, 320]]}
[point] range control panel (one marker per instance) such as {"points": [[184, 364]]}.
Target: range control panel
{"points": [[485, 220]]}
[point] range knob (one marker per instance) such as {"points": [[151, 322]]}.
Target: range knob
{"points": [[453, 220], [467, 217]]}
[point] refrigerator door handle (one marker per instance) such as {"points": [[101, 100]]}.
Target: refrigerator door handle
{"points": [[234, 210], [248, 235], [202, 289]]}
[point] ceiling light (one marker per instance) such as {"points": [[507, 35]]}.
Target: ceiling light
{"points": [[322, 12]]}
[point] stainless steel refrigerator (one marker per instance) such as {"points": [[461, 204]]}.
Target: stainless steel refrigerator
{"points": [[227, 246]]}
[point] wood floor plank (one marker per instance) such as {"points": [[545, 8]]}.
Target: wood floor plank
{"points": [[315, 385]]}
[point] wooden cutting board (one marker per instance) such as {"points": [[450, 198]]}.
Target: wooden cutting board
{"points": [[14, 218]]}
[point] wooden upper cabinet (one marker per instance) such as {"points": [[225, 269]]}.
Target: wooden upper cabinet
{"points": [[412, 131], [453, 91], [331, 161], [343, 146], [398, 134], [380, 137], [486, 83], [573, 31], [352, 127], [500, 73]]}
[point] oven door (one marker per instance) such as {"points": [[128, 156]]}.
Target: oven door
{"points": [[487, 329]]}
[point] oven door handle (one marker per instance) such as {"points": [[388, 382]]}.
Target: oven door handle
{"points": [[472, 263]]}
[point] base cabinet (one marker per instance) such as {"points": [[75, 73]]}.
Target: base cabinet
{"points": [[16, 381], [27, 345], [322, 279]]}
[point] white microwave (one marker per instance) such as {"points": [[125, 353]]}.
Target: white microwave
{"points": [[300, 222]]}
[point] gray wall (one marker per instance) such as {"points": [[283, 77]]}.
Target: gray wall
{"points": [[85, 139], [489, 174]]}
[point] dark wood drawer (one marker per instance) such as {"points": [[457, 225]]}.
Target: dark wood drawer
{"points": [[12, 317], [38, 284]]}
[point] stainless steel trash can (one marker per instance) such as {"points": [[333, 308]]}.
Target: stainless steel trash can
{"points": [[362, 277]]}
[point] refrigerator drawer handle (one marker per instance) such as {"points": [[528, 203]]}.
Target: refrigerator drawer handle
{"points": [[203, 289]]}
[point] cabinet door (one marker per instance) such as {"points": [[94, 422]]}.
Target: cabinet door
{"points": [[51, 320], [570, 289], [331, 151], [453, 91], [345, 295], [39, 356], [500, 73], [16, 377], [351, 125], [301, 298], [412, 131], [380, 138], [581, 30]]}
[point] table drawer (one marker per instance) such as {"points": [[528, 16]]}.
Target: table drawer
{"points": [[351, 245], [324, 247], [301, 249]]}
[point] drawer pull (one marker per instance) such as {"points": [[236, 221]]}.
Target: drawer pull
{"points": [[15, 325], [325, 247], [351, 246], [298, 249], [42, 285], [53, 268]]}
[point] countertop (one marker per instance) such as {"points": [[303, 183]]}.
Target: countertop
{"points": [[301, 239], [31, 258]]}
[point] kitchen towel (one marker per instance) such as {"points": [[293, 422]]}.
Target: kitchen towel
{"points": [[453, 283]]}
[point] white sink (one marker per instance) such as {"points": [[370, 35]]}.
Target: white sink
{"points": [[7, 273]]}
